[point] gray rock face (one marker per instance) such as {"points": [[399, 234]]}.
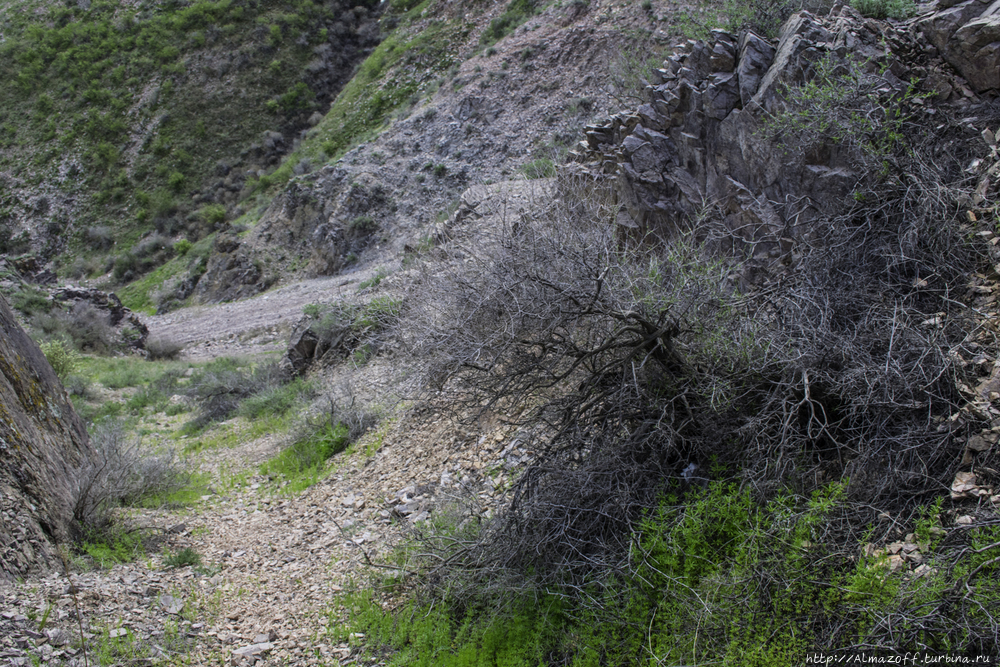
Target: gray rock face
{"points": [[42, 446], [968, 36], [322, 219], [697, 140]]}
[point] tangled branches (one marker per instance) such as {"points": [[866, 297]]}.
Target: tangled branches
{"points": [[632, 371]]}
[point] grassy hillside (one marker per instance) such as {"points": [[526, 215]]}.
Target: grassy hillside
{"points": [[119, 120]]}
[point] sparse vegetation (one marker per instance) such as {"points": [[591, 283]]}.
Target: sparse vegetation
{"points": [[120, 474], [885, 9], [516, 13], [186, 557]]}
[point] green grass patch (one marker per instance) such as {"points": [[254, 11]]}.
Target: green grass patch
{"points": [[301, 464], [276, 401], [235, 433], [113, 547], [138, 295], [713, 578], [196, 486], [540, 168], [122, 372]]}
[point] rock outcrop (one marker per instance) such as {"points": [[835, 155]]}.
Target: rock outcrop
{"points": [[967, 35], [131, 330], [698, 142], [43, 444]]}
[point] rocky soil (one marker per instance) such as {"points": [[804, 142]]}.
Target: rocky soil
{"points": [[274, 565]]}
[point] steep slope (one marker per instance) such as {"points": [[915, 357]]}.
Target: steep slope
{"points": [[43, 444], [439, 106], [117, 120]]}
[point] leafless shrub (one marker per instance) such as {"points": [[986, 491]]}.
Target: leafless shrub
{"points": [[162, 347], [120, 474], [89, 327], [220, 388], [637, 369], [99, 238]]}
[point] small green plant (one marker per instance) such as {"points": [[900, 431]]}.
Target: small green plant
{"points": [[311, 310], [112, 547], [176, 181], [183, 558], [362, 224], [374, 281], [63, 358], [182, 247], [300, 464], [212, 214], [883, 9], [540, 168], [440, 171]]}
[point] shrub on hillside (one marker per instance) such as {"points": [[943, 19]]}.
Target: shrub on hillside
{"points": [[162, 347], [221, 388], [633, 368], [63, 358], [119, 474]]}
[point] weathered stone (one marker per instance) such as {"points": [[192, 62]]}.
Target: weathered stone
{"points": [[968, 36], [756, 56], [250, 652], [43, 444]]}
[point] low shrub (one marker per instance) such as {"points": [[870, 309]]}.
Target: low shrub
{"points": [[183, 558], [163, 347], [222, 386], [90, 328], [540, 168], [30, 300], [99, 237], [119, 473], [62, 357]]}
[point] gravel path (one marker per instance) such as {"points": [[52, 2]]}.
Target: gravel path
{"points": [[255, 325]]}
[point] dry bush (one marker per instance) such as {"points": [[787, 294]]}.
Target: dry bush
{"points": [[632, 370], [90, 328], [120, 474], [220, 388], [162, 347]]}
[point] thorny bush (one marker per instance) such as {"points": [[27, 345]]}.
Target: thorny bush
{"points": [[119, 474], [635, 370]]}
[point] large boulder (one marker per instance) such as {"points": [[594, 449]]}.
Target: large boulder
{"points": [[43, 444], [967, 34]]}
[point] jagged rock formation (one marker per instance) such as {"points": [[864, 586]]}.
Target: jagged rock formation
{"points": [[697, 141], [42, 446], [324, 217], [967, 35], [119, 317]]}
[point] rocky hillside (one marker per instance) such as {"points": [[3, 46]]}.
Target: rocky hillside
{"points": [[143, 120], [45, 447], [722, 388]]}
